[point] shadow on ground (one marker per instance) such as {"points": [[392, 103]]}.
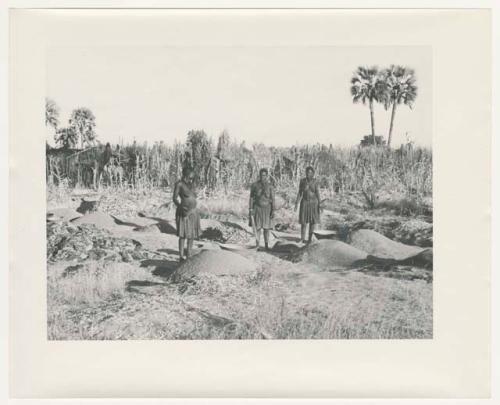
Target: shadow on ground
{"points": [[163, 268], [398, 271], [163, 225], [131, 286], [169, 251]]}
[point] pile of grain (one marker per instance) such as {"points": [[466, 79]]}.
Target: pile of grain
{"points": [[330, 254], [378, 245], [214, 262]]}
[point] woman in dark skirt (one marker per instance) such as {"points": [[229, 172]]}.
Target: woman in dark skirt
{"points": [[187, 217], [261, 207], [309, 204]]}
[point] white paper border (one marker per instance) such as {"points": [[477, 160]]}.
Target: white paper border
{"points": [[407, 4]]}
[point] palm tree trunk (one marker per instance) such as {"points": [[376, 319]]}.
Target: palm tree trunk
{"points": [[389, 138], [372, 117]]}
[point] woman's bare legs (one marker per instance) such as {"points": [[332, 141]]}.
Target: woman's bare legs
{"points": [[189, 247], [266, 238], [303, 232], [311, 232], [181, 248]]}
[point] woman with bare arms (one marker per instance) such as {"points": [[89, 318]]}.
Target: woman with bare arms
{"points": [[187, 217], [309, 200], [261, 207]]}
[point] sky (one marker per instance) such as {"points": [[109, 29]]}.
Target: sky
{"points": [[280, 96]]}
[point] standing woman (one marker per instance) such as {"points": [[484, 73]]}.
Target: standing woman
{"points": [[261, 207], [309, 204], [102, 164], [187, 217]]}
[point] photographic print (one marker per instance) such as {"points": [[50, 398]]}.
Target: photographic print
{"points": [[253, 192]]}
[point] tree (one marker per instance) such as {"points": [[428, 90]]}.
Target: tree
{"points": [[67, 138], [82, 121], [201, 152], [51, 113], [367, 85], [51, 116], [400, 89], [223, 146]]}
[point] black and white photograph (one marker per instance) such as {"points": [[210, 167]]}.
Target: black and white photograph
{"points": [[239, 192]]}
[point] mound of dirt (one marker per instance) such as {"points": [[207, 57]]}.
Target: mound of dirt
{"points": [[214, 262], [380, 246], [62, 214], [66, 241], [331, 254], [99, 219]]}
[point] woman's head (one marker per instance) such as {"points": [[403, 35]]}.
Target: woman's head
{"points": [[263, 174], [309, 172], [188, 174]]}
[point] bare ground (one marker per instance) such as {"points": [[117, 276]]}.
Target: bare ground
{"points": [[119, 289]]}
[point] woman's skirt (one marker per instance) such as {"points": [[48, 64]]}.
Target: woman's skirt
{"points": [[188, 225], [309, 212], [262, 217]]}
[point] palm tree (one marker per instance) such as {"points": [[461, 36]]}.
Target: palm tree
{"points": [[401, 89], [82, 122], [51, 113], [51, 116], [367, 86]]}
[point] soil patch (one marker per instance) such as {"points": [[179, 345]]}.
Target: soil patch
{"points": [[62, 214], [99, 219], [135, 222]]}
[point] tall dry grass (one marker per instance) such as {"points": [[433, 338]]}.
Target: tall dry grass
{"points": [[93, 282], [369, 170], [268, 304]]}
